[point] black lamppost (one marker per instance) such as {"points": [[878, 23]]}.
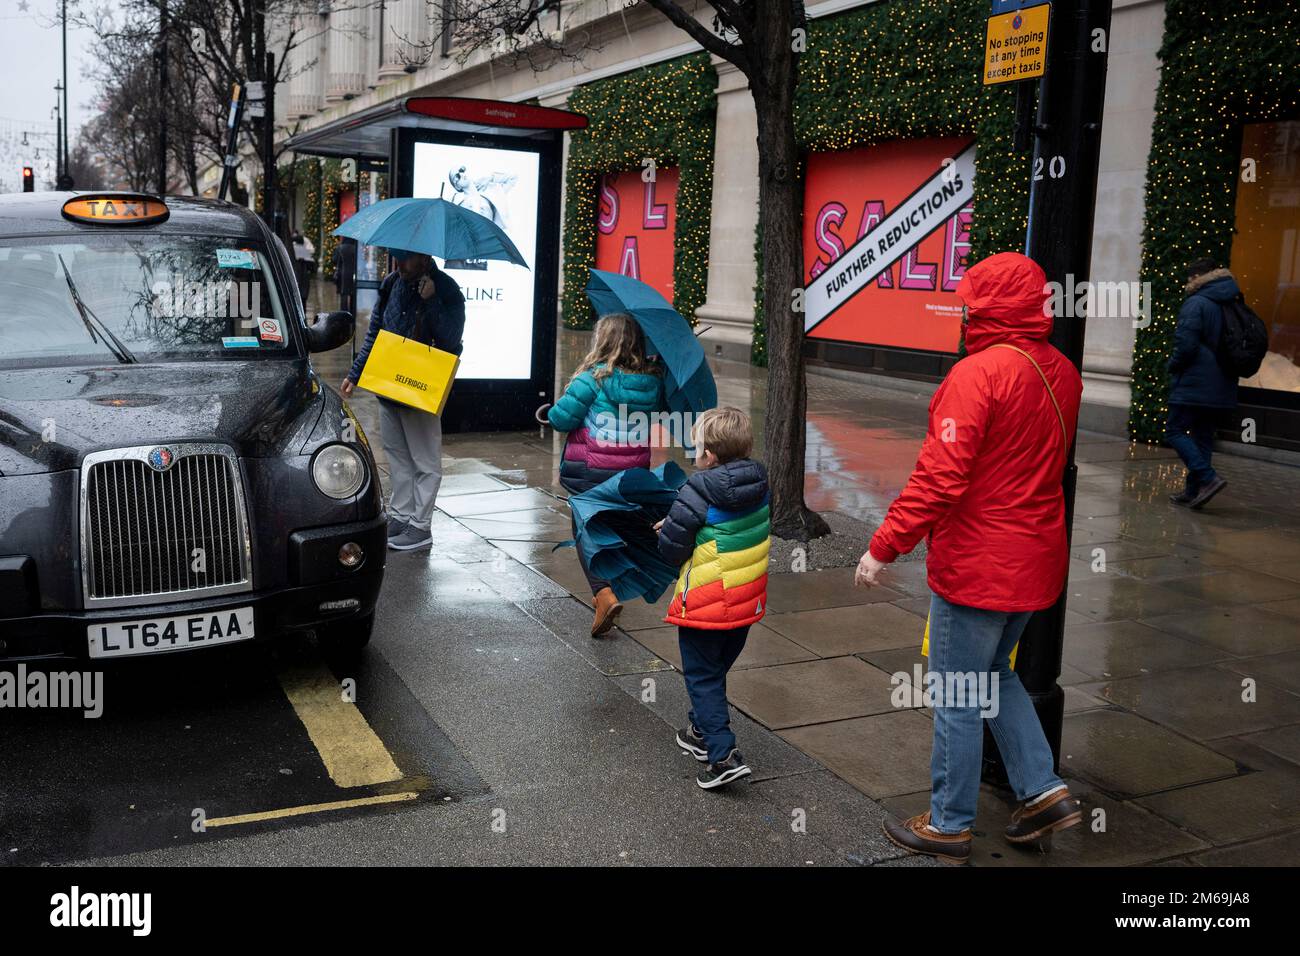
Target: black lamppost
{"points": [[64, 179], [1067, 148]]}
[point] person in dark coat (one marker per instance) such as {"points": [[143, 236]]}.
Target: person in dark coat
{"points": [[421, 302], [1201, 388]]}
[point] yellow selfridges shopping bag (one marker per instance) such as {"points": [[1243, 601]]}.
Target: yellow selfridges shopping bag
{"points": [[409, 372], [925, 644]]}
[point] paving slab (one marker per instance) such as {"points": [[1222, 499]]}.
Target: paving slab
{"points": [[811, 692], [1249, 805], [1127, 648], [883, 755], [1219, 710], [807, 590], [499, 501], [834, 632], [763, 647], [1234, 587], [1109, 597], [1239, 631], [767, 754], [1126, 755], [1280, 850], [1280, 669], [1282, 742]]}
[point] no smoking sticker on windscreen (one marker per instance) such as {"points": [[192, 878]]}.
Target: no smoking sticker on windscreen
{"points": [[270, 330]]}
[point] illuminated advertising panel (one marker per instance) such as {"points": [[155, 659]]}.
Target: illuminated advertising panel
{"points": [[886, 230], [635, 225], [502, 185]]}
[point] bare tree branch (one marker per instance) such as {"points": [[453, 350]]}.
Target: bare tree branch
{"points": [[702, 35]]}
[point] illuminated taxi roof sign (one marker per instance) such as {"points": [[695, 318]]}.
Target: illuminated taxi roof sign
{"points": [[116, 209]]}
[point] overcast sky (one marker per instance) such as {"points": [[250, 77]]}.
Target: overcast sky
{"points": [[31, 62]]}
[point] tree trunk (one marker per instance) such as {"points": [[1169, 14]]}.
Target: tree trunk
{"points": [[780, 202]]}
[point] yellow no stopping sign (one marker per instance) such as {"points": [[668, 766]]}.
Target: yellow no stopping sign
{"points": [[1015, 46]]}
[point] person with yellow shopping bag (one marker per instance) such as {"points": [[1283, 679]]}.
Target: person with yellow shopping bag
{"points": [[420, 303]]}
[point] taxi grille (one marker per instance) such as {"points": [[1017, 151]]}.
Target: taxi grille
{"points": [[149, 535]]}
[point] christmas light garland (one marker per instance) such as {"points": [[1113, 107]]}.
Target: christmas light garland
{"points": [[663, 112]]}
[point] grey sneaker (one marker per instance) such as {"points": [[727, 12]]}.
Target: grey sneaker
{"points": [[411, 539], [692, 741], [395, 527]]}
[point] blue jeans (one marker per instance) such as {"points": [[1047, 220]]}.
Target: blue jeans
{"points": [[1190, 432], [706, 658], [968, 640]]}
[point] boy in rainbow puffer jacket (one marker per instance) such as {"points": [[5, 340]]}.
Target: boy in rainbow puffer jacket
{"points": [[718, 531]]}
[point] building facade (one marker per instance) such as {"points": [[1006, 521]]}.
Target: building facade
{"points": [[889, 89]]}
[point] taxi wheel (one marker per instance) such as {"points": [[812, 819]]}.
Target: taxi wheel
{"points": [[346, 638]]}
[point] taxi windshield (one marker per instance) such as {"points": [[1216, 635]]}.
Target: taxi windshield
{"points": [[138, 298]]}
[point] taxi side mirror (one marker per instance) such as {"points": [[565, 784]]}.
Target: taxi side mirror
{"points": [[329, 331]]}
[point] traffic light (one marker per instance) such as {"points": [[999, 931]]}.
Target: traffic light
{"points": [[29, 179]]}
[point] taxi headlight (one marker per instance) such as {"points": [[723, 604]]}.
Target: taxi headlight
{"points": [[338, 471]]}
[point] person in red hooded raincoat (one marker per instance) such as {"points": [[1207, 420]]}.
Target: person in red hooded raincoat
{"points": [[986, 495]]}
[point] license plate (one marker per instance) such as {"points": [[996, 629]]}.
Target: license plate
{"points": [[170, 633]]}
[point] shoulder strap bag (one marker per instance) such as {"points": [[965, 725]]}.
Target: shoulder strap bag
{"points": [[1050, 394]]}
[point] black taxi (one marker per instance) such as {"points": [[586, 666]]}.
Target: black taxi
{"points": [[173, 473]]}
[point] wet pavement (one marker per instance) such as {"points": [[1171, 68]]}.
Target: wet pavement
{"points": [[525, 741], [1182, 650]]}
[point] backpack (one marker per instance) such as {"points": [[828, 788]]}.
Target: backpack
{"points": [[1244, 339]]}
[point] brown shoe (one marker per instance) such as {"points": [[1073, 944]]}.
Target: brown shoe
{"points": [[913, 836], [1058, 812], [607, 611]]}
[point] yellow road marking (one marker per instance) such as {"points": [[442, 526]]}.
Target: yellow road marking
{"points": [[353, 753], [309, 808]]}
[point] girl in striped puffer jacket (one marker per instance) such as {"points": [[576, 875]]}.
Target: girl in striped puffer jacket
{"points": [[613, 383]]}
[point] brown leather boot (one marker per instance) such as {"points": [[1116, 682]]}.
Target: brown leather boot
{"points": [[913, 836], [607, 611], [1044, 818]]}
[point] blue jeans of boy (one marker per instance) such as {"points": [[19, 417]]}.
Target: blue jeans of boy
{"points": [[968, 640], [706, 657]]}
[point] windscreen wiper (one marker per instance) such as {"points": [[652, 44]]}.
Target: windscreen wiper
{"points": [[110, 341]]}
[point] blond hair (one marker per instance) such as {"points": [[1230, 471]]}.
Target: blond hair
{"points": [[725, 431], [618, 343]]}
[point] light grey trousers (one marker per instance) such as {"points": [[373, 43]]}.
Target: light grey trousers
{"points": [[413, 444]]}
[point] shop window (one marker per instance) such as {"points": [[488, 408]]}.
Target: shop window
{"points": [[1266, 247]]}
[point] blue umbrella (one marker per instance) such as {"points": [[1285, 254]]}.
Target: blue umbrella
{"points": [[632, 567], [688, 380], [432, 226]]}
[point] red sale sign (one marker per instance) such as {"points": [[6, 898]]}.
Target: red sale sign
{"points": [[635, 223], [886, 230]]}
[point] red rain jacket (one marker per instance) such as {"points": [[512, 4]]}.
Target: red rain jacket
{"points": [[987, 484]]}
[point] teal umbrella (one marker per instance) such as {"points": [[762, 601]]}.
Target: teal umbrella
{"points": [[633, 568], [688, 380], [432, 226]]}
